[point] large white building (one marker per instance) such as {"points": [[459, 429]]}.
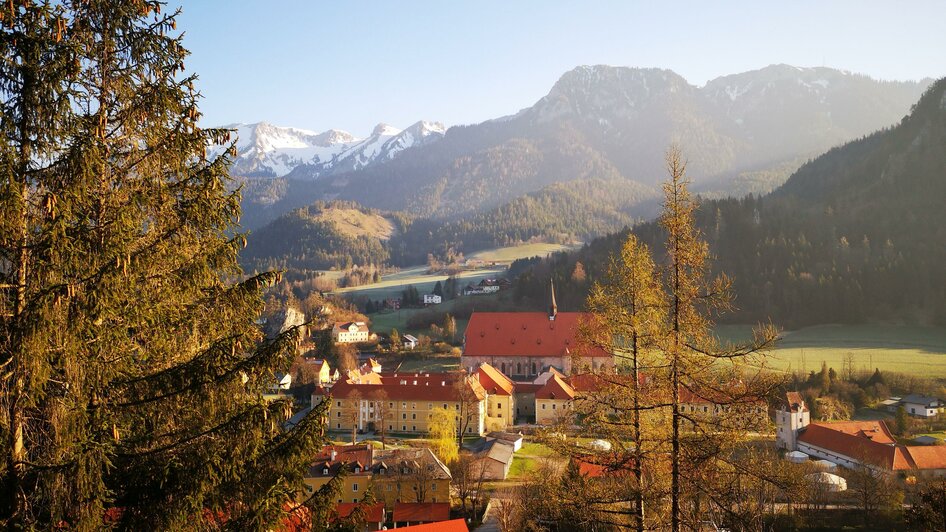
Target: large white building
{"points": [[350, 332]]}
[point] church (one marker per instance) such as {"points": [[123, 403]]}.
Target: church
{"points": [[523, 345]]}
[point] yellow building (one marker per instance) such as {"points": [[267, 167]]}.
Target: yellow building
{"points": [[405, 475], [404, 402], [500, 402], [553, 400], [355, 459], [410, 475]]}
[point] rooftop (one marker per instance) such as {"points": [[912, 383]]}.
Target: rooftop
{"points": [[525, 334]]}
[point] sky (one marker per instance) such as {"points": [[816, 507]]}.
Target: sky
{"points": [[321, 64]]}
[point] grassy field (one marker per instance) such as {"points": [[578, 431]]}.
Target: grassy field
{"points": [[903, 349], [511, 253], [431, 364], [392, 285]]}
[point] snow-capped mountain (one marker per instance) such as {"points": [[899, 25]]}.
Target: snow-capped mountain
{"points": [[265, 150]]}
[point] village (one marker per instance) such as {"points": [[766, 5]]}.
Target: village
{"points": [[520, 375]]}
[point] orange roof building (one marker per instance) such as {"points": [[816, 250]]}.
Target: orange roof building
{"points": [[524, 344], [454, 525], [421, 512], [853, 443]]}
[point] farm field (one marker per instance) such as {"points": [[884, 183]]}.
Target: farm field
{"points": [[904, 349], [511, 253], [392, 285]]}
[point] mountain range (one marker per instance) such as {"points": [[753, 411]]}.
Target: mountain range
{"points": [[855, 235], [582, 162]]}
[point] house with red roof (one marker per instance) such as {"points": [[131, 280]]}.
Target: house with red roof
{"points": [[374, 514], [522, 345], [454, 525], [418, 513]]}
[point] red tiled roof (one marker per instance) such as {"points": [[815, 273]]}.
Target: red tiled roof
{"points": [[347, 456], [493, 381], [525, 334], [865, 441], [528, 387], [555, 388], [795, 402], [421, 512], [927, 456], [408, 387], [590, 468], [455, 525], [373, 513]]}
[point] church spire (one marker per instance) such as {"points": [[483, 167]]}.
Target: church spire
{"points": [[553, 308]]}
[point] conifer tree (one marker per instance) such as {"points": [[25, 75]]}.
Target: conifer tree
{"points": [[131, 370]]}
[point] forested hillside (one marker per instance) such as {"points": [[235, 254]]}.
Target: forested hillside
{"points": [[855, 235], [322, 236]]}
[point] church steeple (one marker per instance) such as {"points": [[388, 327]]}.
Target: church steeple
{"points": [[553, 308]]}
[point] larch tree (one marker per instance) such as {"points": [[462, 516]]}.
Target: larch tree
{"points": [[697, 368], [131, 371]]}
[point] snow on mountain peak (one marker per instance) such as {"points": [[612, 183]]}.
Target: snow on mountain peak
{"points": [[266, 150], [385, 130]]}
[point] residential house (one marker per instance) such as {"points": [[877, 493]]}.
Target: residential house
{"points": [[402, 402], [432, 299], [409, 341], [371, 365], [355, 460], [322, 367], [375, 516], [282, 381], [921, 405], [393, 303], [412, 475], [349, 332], [408, 513]]}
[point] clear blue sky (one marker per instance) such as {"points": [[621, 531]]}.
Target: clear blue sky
{"points": [[351, 64]]}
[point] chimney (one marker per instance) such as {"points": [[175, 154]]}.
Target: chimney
{"points": [[333, 454], [553, 308]]}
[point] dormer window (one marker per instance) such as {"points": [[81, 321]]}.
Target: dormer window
{"points": [[324, 470]]}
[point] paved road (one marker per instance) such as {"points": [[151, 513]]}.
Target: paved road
{"points": [[490, 520]]}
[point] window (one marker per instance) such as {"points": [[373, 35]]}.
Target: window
{"points": [[430, 406], [433, 487], [390, 405], [500, 414], [553, 406], [354, 486], [543, 406], [445, 405], [354, 499], [403, 427], [339, 425], [338, 403], [324, 470], [390, 427], [413, 406], [403, 405], [404, 416], [414, 428], [533, 368], [518, 369], [387, 487], [413, 416], [339, 414], [502, 367]]}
